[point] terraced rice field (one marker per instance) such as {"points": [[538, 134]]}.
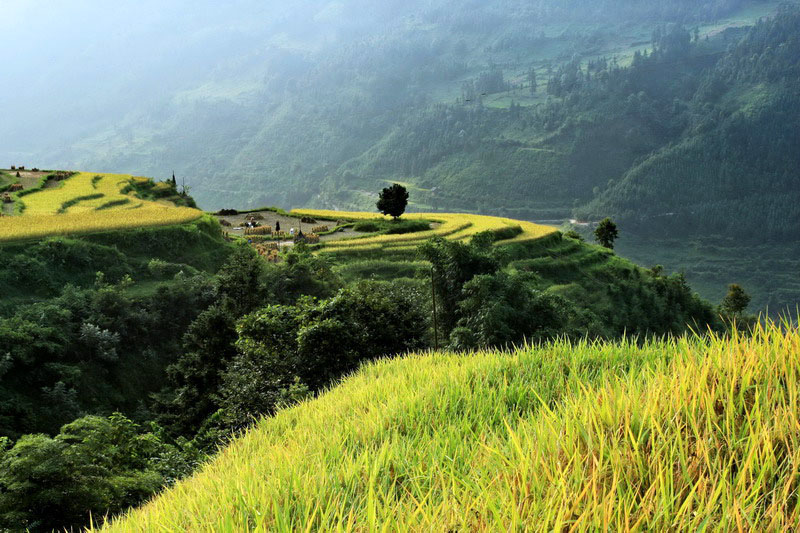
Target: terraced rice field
{"points": [[455, 226], [88, 203]]}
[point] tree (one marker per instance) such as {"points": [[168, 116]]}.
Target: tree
{"points": [[606, 233], [393, 200], [95, 465], [286, 351], [736, 301], [501, 309], [532, 80], [454, 264]]}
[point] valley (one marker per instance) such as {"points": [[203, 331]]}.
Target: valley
{"points": [[412, 265]]}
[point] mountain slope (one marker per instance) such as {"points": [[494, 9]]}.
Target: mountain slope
{"points": [[734, 171], [321, 103], [671, 435]]}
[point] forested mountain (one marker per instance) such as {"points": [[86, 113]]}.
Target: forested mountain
{"points": [[673, 117]]}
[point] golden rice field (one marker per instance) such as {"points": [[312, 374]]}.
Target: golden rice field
{"points": [[689, 434], [72, 208], [454, 226]]}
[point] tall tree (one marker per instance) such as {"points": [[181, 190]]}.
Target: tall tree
{"points": [[532, 80], [606, 233], [393, 200]]}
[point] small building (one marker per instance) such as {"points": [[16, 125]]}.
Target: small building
{"points": [[15, 187]]}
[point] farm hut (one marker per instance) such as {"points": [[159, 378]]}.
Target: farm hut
{"points": [[225, 223], [7, 198], [16, 187]]}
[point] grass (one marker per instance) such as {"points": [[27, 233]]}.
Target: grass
{"points": [[88, 203], [455, 226], [697, 433]]}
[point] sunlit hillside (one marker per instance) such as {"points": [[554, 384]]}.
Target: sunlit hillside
{"points": [[88, 202], [452, 226], [691, 434]]}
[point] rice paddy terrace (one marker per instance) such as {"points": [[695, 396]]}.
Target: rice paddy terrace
{"points": [[78, 203], [46, 204], [453, 226]]}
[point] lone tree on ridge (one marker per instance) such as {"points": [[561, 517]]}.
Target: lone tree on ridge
{"points": [[393, 200], [606, 233]]}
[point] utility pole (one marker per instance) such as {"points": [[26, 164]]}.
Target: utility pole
{"points": [[435, 325]]}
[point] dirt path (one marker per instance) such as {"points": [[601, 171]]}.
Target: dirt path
{"points": [[287, 223]]}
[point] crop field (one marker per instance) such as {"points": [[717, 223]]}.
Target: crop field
{"points": [[87, 203], [454, 226], [700, 433]]}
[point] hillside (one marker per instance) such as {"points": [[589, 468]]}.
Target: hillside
{"points": [[671, 435], [130, 354], [69, 203], [543, 111]]}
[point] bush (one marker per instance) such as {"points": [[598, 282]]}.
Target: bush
{"points": [[283, 349], [367, 226], [407, 226], [392, 227]]}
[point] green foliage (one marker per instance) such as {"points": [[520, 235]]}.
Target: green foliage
{"points": [[367, 226], [394, 227], [91, 350], [112, 204], [735, 302], [285, 351], [162, 190], [78, 199], [572, 234], [41, 269], [94, 465], [381, 269], [606, 233], [392, 201], [454, 264], [301, 273], [502, 310]]}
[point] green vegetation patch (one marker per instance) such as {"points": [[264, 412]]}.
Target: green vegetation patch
{"points": [[391, 227], [113, 203], [78, 199]]}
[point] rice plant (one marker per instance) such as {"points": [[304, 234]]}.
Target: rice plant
{"points": [[689, 434], [88, 203], [40, 226]]}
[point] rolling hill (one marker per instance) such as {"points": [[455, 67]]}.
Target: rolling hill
{"points": [[676, 435]]}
